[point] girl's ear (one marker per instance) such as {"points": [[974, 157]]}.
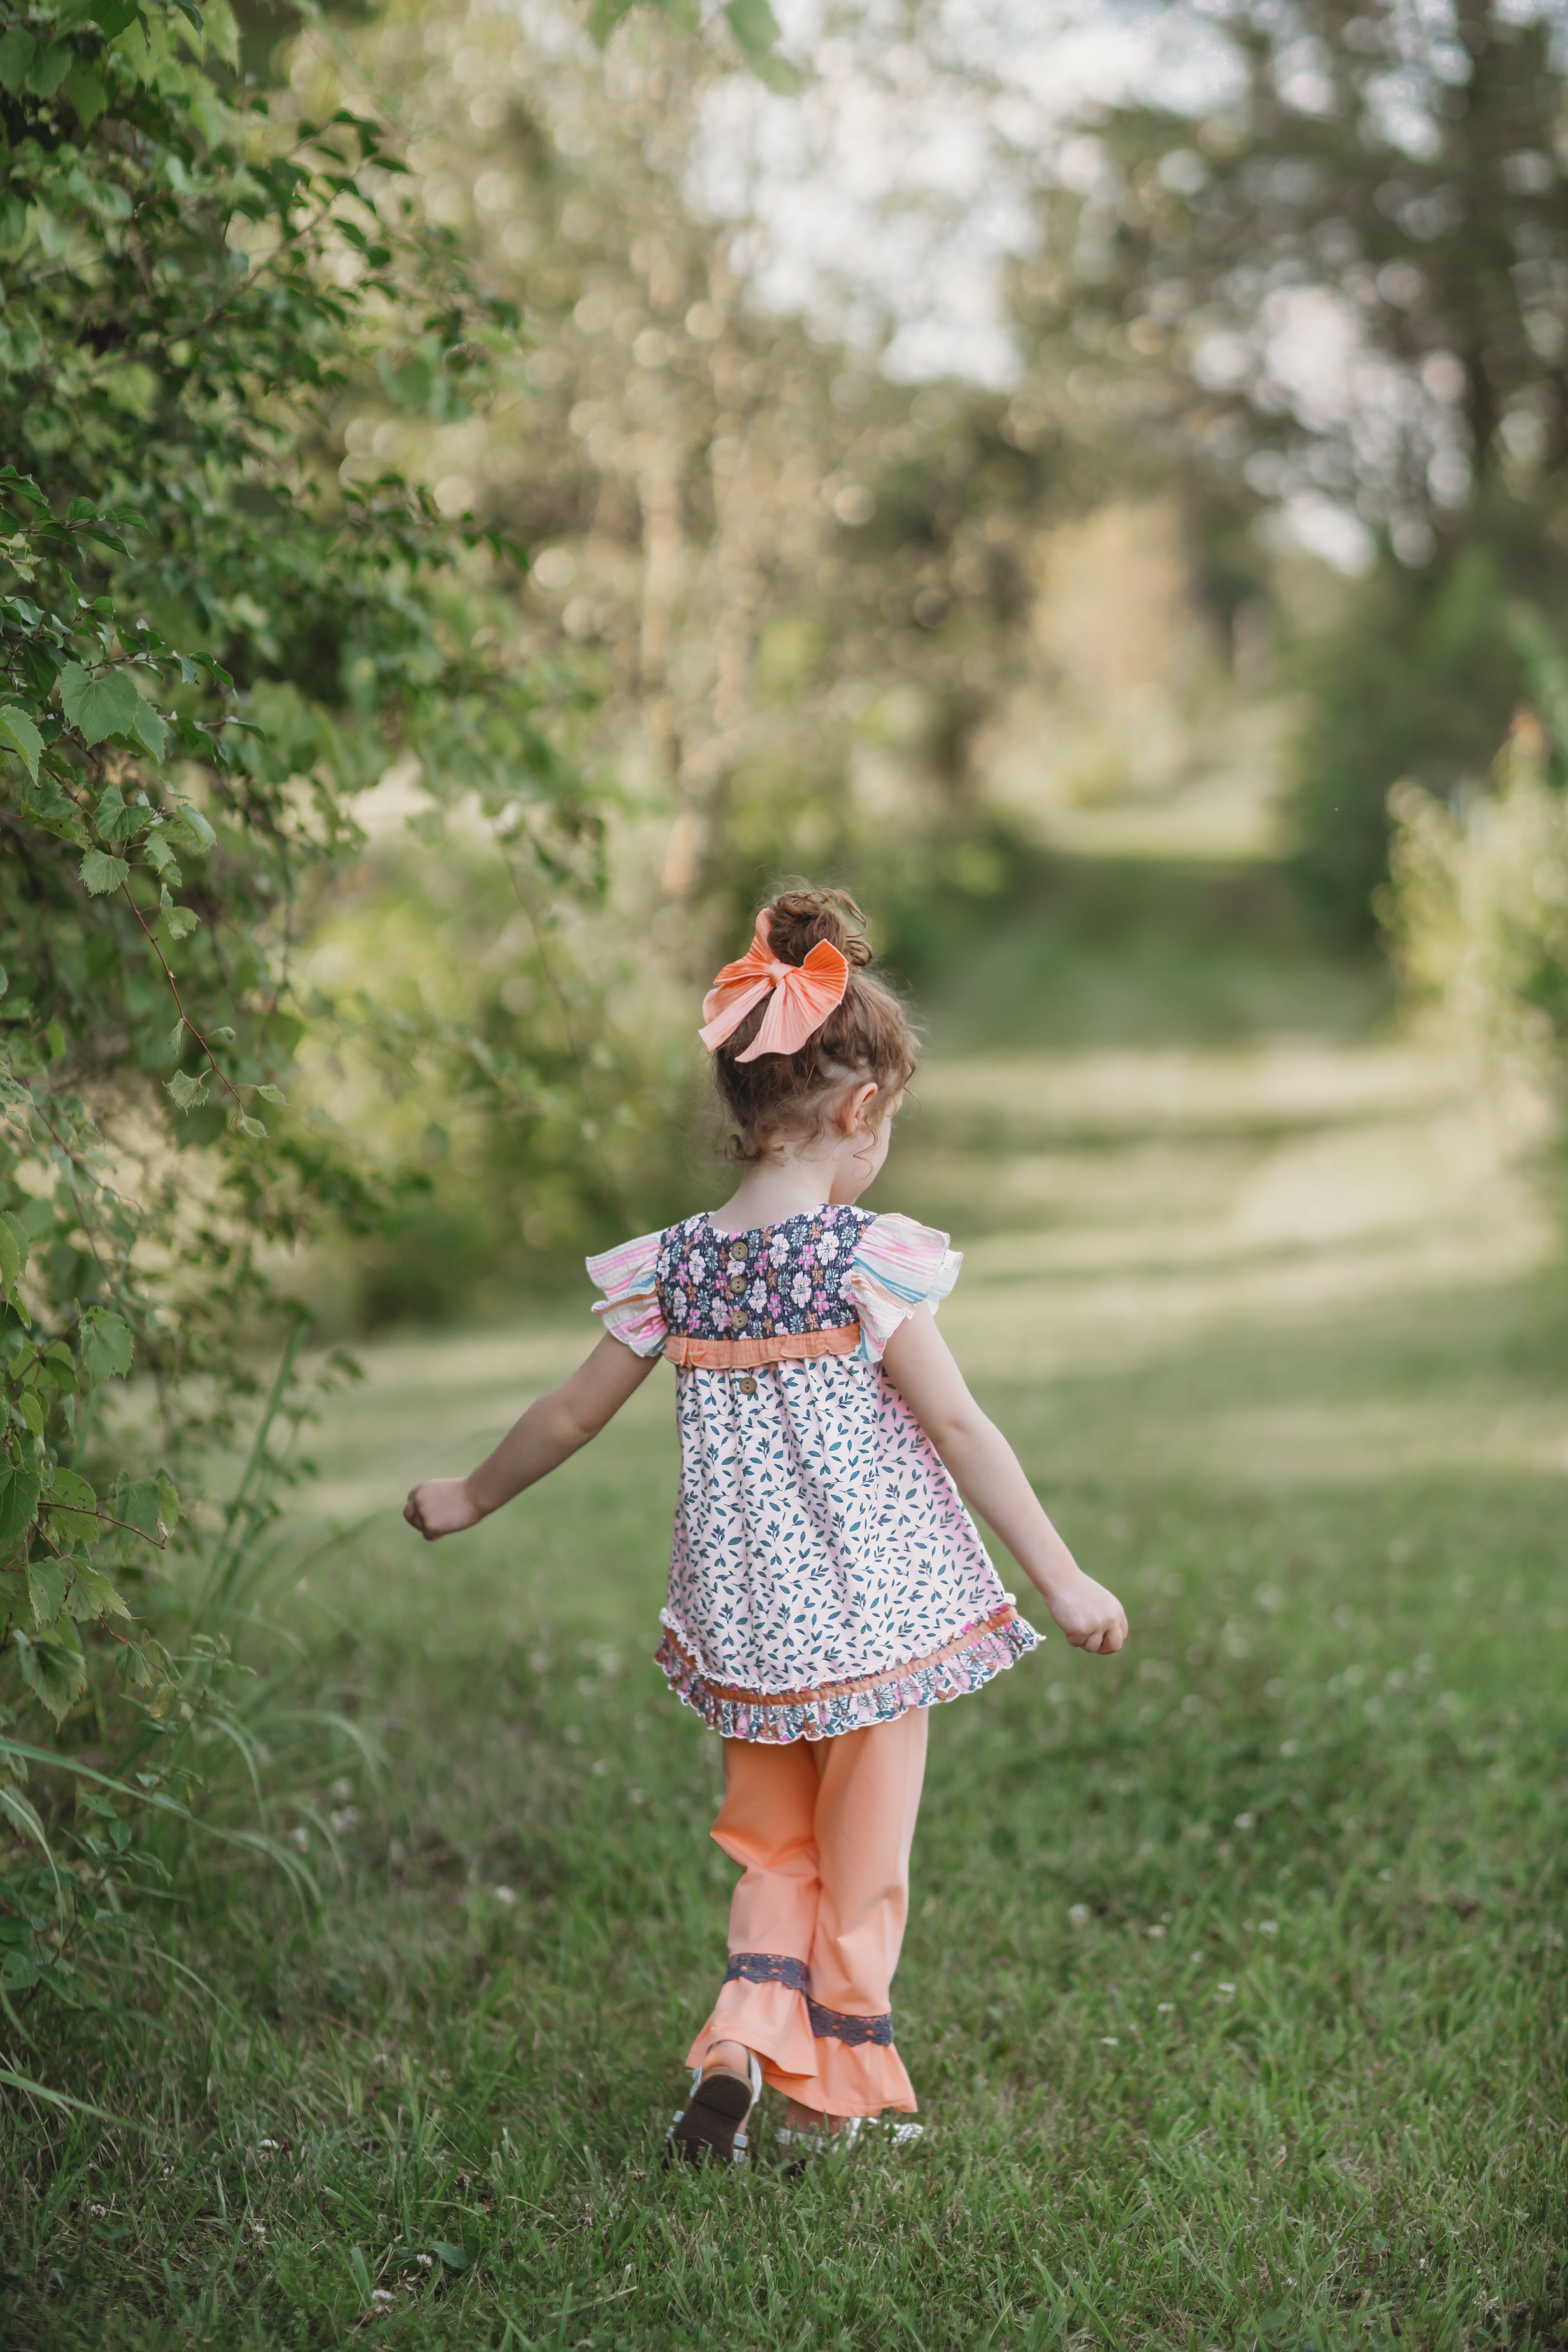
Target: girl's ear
{"points": [[854, 1106]]}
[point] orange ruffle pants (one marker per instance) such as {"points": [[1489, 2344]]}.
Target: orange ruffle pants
{"points": [[822, 1829]]}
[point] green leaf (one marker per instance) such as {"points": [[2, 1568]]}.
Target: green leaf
{"points": [[18, 1501], [46, 1582], [13, 1249], [605, 15], [153, 731], [112, 819], [15, 57], [273, 1095], [188, 1093], [50, 68], [21, 1812], [190, 828], [56, 1675], [85, 92], [72, 1506], [754, 25], [102, 872], [106, 1345], [18, 733], [97, 706], [111, 16], [179, 922], [31, 1410], [453, 2256], [140, 1506], [92, 1594], [255, 1128]]}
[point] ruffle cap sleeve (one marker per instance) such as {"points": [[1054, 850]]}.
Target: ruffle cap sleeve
{"points": [[630, 1306], [898, 1266]]}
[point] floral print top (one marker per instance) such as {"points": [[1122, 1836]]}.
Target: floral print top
{"points": [[787, 1279], [824, 1573]]}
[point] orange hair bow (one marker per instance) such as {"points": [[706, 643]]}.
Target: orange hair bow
{"points": [[803, 994]]}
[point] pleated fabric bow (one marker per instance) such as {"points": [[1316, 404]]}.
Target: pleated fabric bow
{"points": [[803, 996]]}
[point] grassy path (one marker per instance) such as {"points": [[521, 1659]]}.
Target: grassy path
{"points": [[1235, 1989]]}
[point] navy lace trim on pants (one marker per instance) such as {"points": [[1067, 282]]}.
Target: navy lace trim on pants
{"points": [[767, 1967], [841, 2025], [826, 2024]]}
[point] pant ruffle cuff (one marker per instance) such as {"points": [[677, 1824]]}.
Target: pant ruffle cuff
{"points": [[832, 2076]]}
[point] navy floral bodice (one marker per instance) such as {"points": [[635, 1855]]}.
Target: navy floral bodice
{"points": [[787, 1279]]}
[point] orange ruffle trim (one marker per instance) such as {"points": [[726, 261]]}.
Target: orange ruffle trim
{"points": [[834, 2077], [787, 1348]]}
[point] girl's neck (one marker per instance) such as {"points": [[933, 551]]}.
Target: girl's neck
{"points": [[776, 1189]]}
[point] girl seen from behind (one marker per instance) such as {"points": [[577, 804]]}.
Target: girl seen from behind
{"points": [[827, 1586]]}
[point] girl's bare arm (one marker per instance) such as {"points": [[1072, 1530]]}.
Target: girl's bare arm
{"points": [[555, 1426], [987, 1473]]}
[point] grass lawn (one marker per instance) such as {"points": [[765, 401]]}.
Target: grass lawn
{"points": [[1235, 1989]]}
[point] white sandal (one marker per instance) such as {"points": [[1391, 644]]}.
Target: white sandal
{"points": [[710, 2127], [803, 2145]]}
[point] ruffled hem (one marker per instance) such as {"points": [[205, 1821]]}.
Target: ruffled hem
{"points": [[836, 2078], [964, 1664]]}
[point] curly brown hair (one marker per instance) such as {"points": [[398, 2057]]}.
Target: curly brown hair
{"points": [[867, 1036]]}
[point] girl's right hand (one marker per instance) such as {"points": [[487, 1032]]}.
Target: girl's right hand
{"points": [[441, 1507]]}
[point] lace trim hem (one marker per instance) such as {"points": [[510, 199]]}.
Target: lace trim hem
{"points": [[962, 1665], [768, 1967], [857, 2032], [842, 2025]]}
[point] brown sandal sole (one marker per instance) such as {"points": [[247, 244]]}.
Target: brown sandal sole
{"points": [[705, 2133]]}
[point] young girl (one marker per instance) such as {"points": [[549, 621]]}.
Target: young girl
{"points": [[827, 1586]]}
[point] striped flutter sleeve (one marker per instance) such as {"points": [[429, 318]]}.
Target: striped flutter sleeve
{"points": [[630, 1303], [898, 1266]]}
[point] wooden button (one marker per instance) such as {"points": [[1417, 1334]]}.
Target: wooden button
{"points": [[747, 1385]]}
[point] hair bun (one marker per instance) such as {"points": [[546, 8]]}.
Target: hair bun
{"points": [[799, 920]]}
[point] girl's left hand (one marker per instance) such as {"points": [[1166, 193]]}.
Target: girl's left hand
{"points": [[441, 1507], [1090, 1617]]}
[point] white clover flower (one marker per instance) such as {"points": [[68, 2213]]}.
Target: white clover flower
{"points": [[1163, 2008], [1225, 1991], [505, 1896], [300, 1837], [343, 1790], [98, 2211], [1110, 2041], [381, 2296], [1156, 1933], [1077, 1917], [1290, 1747], [1245, 1821], [346, 1818], [424, 2261], [1268, 1927]]}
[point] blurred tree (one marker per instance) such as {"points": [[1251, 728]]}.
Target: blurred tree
{"points": [[1339, 292], [780, 566]]}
